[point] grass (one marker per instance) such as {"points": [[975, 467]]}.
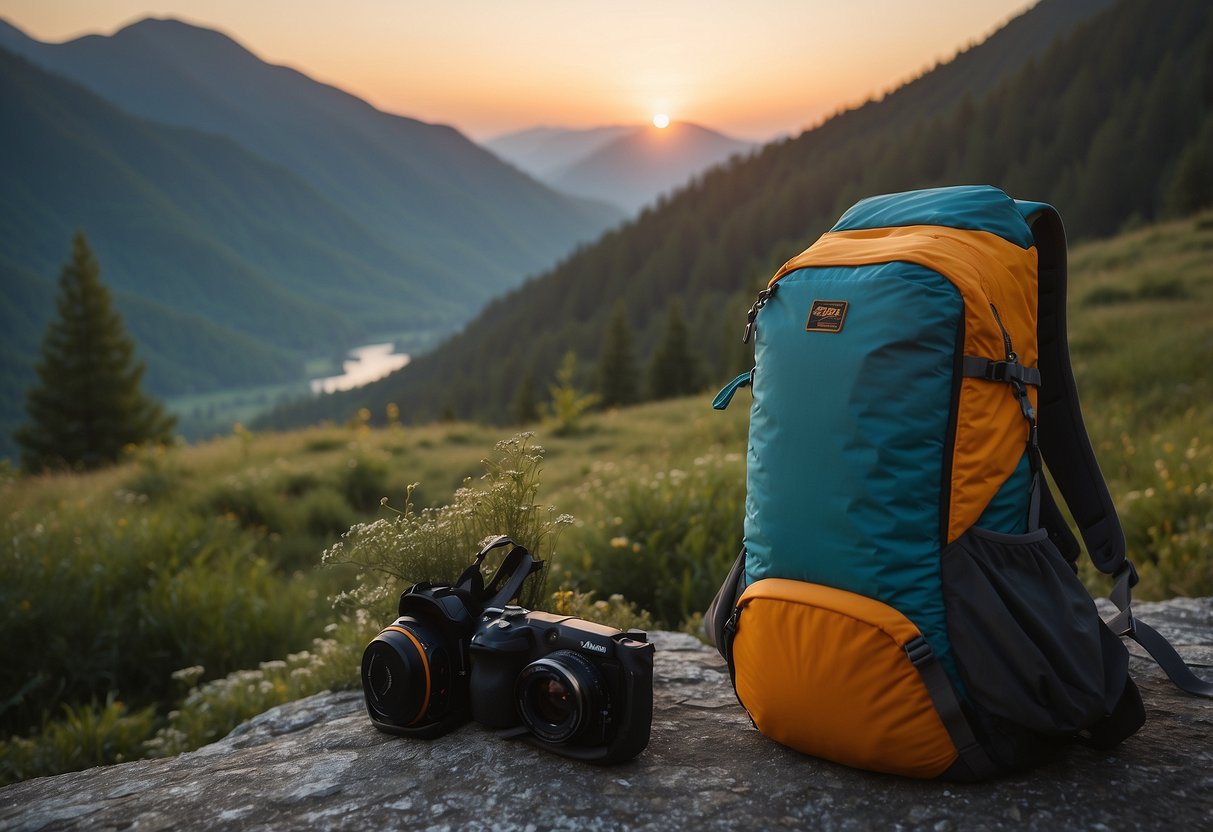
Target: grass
{"points": [[172, 596]]}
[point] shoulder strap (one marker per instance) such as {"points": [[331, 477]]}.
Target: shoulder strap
{"points": [[1067, 451], [1063, 435]]}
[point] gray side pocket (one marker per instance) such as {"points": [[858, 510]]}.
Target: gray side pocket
{"points": [[1029, 643]]}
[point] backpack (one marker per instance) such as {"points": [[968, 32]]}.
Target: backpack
{"points": [[907, 599]]}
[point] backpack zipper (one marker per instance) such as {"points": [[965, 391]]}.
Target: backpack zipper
{"points": [[1012, 358], [763, 296]]}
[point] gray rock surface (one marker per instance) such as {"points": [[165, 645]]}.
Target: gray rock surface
{"points": [[318, 764]]}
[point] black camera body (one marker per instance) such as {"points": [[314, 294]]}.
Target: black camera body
{"points": [[459, 652], [415, 672], [579, 689]]}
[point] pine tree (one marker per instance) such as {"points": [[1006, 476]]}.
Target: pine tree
{"points": [[617, 364], [88, 403], [568, 404], [525, 409], [673, 370]]}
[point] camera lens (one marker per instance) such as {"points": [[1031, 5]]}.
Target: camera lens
{"points": [[404, 673], [561, 696]]}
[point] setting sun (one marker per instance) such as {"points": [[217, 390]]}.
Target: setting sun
{"points": [[661, 121]]}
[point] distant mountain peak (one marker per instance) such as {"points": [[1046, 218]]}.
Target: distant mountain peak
{"points": [[175, 34], [626, 165]]}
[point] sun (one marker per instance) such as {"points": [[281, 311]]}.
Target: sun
{"points": [[661, 121]]}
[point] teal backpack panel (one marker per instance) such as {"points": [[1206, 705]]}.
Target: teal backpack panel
{"points": [[969, 207], [848, 433]]}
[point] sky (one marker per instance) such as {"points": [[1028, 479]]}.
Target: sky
{"points": [[755, 70]]}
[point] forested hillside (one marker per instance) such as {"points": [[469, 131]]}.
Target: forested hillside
{"points": [[1112, 123]]}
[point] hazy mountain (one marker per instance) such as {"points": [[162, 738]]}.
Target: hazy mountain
{"points": [[625, 166], [631, 170], [1108, 118], [543, 151], [246, 216], [454, 215]]}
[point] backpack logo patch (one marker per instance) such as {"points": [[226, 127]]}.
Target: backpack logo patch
{"points": [[826, 316]]}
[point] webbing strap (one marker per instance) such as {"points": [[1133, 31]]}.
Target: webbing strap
{"points": [[948, 706], [1124, 623], [975, 366]]}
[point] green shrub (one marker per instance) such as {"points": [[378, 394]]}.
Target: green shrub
{"points": [[435, 544], [211, 710], [616, 611], [87, 735], [250, 498], [117, 599], [664, 540], [364, 481], [325, 513]]}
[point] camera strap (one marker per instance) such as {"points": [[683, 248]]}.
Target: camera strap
{"points": [[505, 586]]}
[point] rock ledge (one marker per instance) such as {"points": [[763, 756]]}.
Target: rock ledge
{"points": [[318, 763]]}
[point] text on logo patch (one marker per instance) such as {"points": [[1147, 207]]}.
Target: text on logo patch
{"points": [[826, 316]]}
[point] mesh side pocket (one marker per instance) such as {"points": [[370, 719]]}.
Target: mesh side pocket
{"points": [[1029, 643]]}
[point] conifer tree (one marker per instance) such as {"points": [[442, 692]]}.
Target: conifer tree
{"points": [[525, 408], [673, 370], [88, 403], [568, 404], [617, 364]]}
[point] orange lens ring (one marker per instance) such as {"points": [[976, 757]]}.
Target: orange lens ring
{"points": [[425, 663]]}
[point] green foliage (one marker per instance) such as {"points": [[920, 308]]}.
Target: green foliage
{"points": [[436, 544], [664, 539], [525, 407], [118, 596], [89, 403], [673, 370], [616, 611], [212, 709], [1192, 185], [365, 481], [617, 363], [85, 736], [568, 405]]}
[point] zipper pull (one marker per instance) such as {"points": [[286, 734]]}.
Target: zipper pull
{"points": [[1012, 358], [750, 326]]}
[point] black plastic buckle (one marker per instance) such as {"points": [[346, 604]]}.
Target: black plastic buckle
{"points": [[996, 371]]}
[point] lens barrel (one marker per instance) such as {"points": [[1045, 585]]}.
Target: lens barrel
{"points": [[561, 696], [405, 674]]}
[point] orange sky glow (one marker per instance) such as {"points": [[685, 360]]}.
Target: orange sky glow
{"points": [[754, 70]]}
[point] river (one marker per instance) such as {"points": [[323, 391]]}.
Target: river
{"points": [[365, 364]]}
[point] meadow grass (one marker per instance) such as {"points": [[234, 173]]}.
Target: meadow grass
{"points": [[148, 608]]}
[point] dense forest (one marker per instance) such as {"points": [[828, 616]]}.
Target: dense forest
{"points": [[1113, 124]]}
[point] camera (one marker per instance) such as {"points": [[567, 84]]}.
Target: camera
{"points": [[580, 689], [415, 672]]}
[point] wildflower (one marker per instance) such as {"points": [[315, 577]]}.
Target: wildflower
{"points": [[188, 675]]}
